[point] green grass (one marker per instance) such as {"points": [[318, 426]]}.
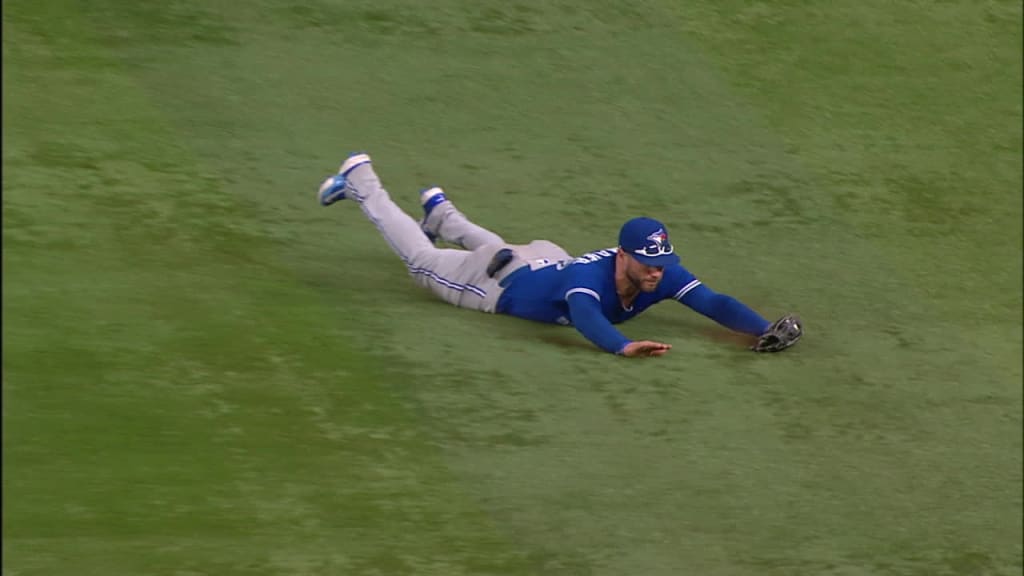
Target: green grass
{"points": [[204, 372]]}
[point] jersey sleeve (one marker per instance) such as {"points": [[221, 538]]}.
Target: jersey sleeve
{"points": [[678, 282], [583, 291], [726, 310], [589, 320], [682, 285]]}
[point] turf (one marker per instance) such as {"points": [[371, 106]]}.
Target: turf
{"points": [[204, 372]]}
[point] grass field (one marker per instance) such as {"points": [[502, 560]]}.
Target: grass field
{"points": [[204, 372]]}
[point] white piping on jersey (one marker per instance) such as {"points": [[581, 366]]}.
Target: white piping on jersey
{"points": [[682, 292], [586, 291]]}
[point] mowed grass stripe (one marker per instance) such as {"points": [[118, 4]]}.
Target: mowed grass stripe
{"points": [[173, 399]]}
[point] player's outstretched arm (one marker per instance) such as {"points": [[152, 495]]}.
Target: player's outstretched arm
{"points": [[585, 309], [730, 312], [726, 310]]}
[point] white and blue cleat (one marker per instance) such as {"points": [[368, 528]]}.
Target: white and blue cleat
{"points": [[430, 198], [333, 188]]}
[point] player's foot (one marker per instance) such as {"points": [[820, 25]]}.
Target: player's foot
{"points": [[333, 188], [430, 198]]}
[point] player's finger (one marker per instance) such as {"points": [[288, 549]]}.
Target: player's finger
{"points": [[649, 348]]}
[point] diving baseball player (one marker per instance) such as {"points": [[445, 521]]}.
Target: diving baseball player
{"points": [[540, 281]]}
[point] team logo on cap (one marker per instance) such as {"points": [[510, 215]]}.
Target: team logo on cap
{"points": [[657, 244]]}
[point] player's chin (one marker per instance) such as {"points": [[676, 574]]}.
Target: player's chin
{"points": [[649, 285]]}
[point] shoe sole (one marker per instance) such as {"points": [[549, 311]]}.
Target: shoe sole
{"points": [[353, 162], [429, 194], [425, 196], [328, 197]]}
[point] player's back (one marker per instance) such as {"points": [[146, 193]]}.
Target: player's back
{"points": [[538, 291]]}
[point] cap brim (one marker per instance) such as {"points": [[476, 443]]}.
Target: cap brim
{"points": [[659, 260]]}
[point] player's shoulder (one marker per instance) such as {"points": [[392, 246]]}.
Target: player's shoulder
{"points": [[676, 281], [677, 270], [592, 268], [603, 255]]}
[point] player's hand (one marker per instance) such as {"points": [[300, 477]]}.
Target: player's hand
{"points": [[645, 348]]}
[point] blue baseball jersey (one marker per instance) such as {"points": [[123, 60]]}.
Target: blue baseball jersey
{"points": [[581, 292]]}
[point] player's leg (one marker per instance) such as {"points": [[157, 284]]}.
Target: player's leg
{"points": [[442, 220], [356, 180], [457, 276], [460, 276]]}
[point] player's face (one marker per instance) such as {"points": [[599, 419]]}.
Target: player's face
{"points": [[645, 278]]}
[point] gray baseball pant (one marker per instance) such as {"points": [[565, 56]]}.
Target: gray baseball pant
{"points": [[456, 276]]}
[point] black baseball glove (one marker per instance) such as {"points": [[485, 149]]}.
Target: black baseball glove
{"points": [[782, 334]]}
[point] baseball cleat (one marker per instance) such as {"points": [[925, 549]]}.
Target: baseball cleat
{"points": [[430, 198], [353, 161], [333, 188]]}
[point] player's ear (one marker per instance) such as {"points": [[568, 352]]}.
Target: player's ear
{"points": [[621, 259]]}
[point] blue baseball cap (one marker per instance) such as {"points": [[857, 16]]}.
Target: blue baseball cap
{"points": [[646, 239]]}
